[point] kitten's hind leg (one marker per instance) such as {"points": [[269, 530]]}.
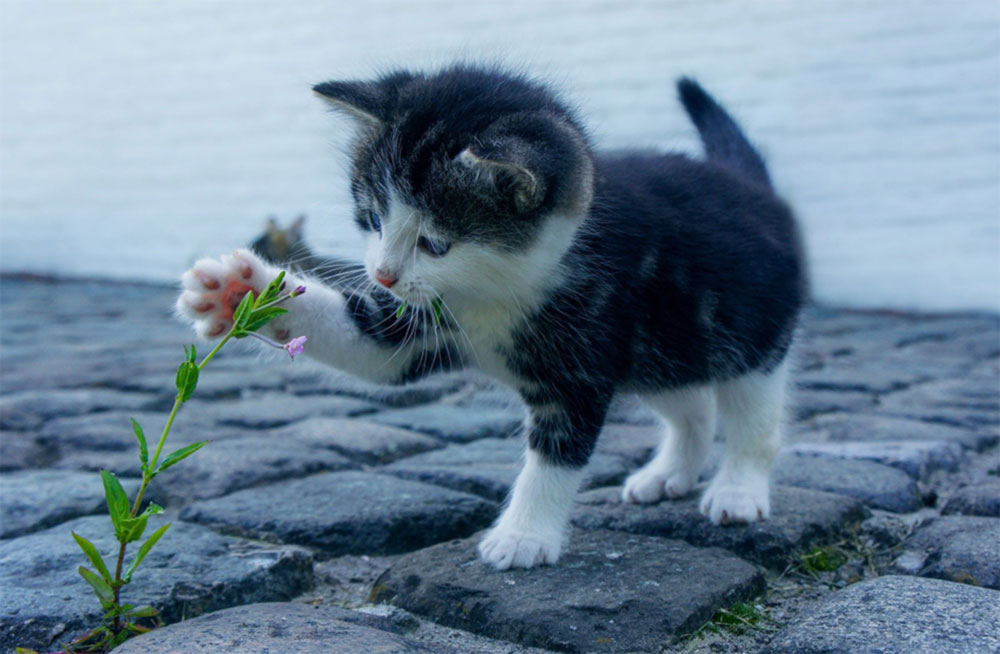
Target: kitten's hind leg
{"points": [[690, 414], [751, 410]]}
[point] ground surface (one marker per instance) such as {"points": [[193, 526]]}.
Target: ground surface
{"points": [[330, 515]]}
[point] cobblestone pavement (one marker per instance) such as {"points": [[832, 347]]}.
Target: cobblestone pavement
{"points": [[329, 515]]}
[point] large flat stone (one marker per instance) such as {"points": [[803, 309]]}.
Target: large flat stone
{"points": [[361, 440], [314, 379], [610, 592], [966, 402], [222, 467], [874, 427], [453, 423], [30, 409], [977, 499], [112, 431], [488, 467], [916, 458], [896, 615], [877, 485], [21, 449], [269, 410], [276, 627], [347, 513], [799, 518], [31, 500], [192, 570], [955, 548]]}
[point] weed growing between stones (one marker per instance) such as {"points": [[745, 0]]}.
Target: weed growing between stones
{"points": [[120, 620], [739, 618]]}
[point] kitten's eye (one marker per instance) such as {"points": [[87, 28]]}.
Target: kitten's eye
{"points": [[433, 248], [375, 221]]}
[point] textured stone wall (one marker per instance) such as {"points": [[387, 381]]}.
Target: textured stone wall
{"points": [[135, 136]]}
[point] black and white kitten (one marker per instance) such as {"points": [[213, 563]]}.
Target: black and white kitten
{"points": [[568, 275]]}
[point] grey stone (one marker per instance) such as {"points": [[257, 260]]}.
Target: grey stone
{"points": [[347, 513], [21, 449], [809, 403], [964, 402], [361, 440], [313, 379], [799, 518], [896, 615], [30, 409], [955, 548], [35, 499], [978, 499], [455, 424], [489, 466], [276, 627], [873, 427], [876, 485], [222, 467], [190, 571], [609, 592], [270, 410], [916, 458], [113, 431]]}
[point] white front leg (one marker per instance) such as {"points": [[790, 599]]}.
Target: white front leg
{"points": [[332, 325]]}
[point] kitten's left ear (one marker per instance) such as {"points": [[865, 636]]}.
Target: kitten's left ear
{"points": [[526, 190], [362, 100]]}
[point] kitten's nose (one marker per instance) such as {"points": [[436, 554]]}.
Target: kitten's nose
{"points": [[386, 279]]}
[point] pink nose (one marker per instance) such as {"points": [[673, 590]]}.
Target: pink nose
{"points": [[385, 279]]}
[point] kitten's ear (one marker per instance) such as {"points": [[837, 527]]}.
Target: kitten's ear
{"points": [[510, 178], [363, 100]]}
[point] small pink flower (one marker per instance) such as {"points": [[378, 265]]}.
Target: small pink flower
{"points": [[295, 346]]}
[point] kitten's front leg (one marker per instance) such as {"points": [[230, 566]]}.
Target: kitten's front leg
{"points": [[355, 334], [532, 528]]}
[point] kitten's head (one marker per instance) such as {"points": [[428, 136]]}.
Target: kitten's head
{"points": [[469, 181]]}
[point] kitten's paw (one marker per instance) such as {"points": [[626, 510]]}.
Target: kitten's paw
{"points": [[214, 288], [505, 548], [725, 502], [647, 486]]}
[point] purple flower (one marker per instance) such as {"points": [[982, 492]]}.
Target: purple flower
{"points": [[295, 346], [299, 290]]}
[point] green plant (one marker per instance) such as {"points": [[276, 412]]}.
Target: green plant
{"points": [[739, 618], [823, 559], [120, 620]]}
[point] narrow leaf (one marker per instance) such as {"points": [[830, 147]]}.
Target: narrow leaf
{"points": [[190, 381], [401, 310], [243, 309], [271, 291], [144, 550], [133, 528], [145, 611], [101, 589], [92, 554], [256, 322], [178, 455], [436, 307], [117, 500], [143, 449], [192, 354]]}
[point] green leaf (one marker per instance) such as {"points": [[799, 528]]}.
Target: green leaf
{"points": [[101, 589], [183, 453], [261, 317], [187, 380], [436, 307], [145, 611], [192, 354], [144, 550], [242, 311], [117, 501], [271, 292], [401, 310], [92, 554], [143, 449], [133, 528]]}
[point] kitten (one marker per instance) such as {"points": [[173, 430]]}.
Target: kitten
{"points": [[566, 274]]}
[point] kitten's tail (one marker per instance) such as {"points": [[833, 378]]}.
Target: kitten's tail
{"points": [[725, 143]]}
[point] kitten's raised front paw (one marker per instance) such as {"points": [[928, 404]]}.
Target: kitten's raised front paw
{"points": [[505, 548], [728, 503], [214, 288], [647, 485]]}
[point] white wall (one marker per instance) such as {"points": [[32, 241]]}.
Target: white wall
{"points": [[136, 135]]}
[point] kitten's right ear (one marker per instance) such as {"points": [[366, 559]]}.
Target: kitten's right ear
{"points": [[362, 100]]}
